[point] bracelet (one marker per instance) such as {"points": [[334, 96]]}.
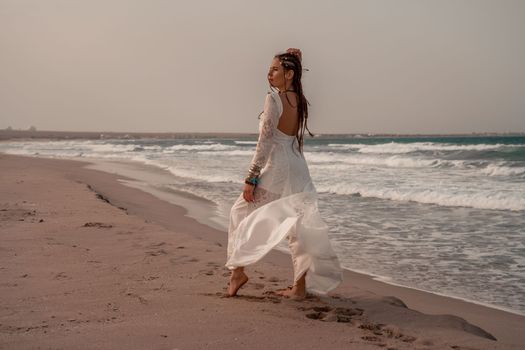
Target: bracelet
{"points": [[251, 181], [254, 171]]}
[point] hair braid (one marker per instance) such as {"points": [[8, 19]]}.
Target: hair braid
{"points": [[290, 61]]}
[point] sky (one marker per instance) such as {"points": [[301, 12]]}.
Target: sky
{"points": [[403, 66]]}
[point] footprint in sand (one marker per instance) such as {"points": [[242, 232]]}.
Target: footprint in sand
{"points": [[150, 278], [408, 338], [97, 225], [157, 252], [112, 307], [183, 259], [370, 338], [125, 232], [76, 246], [140, 298], [327, 313], [213, 264], [61, 276], [370, 326], [268, 297], [258, 285], [275, 281], [24, 329], [345, 299], [390, 331], [156, 245]]}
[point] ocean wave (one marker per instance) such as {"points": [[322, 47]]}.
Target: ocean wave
{"points": [[479, 200], [484, 167], [246, 142], [44, 153], [206, 147], [142, 148], [109, 147], [68, 147], [396, 147], [502, 170], [392, 161], [236, 152]]}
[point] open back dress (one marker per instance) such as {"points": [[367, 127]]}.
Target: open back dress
{"points": [[285, 207]]}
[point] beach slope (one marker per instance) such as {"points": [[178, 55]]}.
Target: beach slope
{"points": [[86, 262]]}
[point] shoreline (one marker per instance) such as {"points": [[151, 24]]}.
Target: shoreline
{"points": [[202, 210], [502, 324], [203, 215], [28, 135]]}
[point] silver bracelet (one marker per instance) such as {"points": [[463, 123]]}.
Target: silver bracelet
{"points": [[254, 171]]}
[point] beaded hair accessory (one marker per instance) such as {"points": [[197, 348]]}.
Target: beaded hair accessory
{"points": [[288, 61]]}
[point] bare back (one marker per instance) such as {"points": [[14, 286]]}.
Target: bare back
{"points": [[289, 121]]}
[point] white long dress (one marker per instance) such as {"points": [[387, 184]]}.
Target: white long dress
{"points": [[285, 207]]}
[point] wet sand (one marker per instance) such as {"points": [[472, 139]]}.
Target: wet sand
{"points": [[87, 262]]}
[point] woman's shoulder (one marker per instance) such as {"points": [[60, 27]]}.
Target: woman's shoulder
{"points": [[274, 98], [272, 94]]}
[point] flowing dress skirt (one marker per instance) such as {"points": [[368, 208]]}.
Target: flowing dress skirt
{"points": [[285, 207]]}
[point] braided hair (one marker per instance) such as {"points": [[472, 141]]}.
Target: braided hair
{"points": [[291, 61]]}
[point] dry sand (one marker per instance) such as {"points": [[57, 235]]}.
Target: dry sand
{"points": [[88, 263]]}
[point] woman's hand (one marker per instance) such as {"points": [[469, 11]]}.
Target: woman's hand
{"points": [[248, 192]]}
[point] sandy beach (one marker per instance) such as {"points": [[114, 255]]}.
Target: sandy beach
{"points": [[87, 262]]}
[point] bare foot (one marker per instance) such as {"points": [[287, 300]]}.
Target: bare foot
{"points": [[294, 292], [237, 280]]}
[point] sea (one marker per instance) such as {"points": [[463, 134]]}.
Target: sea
{"points": [[443, 214]]}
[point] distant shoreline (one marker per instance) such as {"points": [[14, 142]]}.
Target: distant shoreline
{"points": [[92, 135]]}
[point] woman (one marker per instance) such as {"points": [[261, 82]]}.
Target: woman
{"points": [[279, 199]]}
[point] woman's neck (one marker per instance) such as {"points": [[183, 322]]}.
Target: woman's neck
{"points": [[284, 89]]}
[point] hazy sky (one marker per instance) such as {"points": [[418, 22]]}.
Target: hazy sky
{"points": [[440, 66]]}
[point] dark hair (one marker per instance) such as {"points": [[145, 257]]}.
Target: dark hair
{"points": [[292, 62]]}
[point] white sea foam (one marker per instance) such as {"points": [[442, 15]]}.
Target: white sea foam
{"points": [[480, 200], [396, 147], [502, 170], [236, 152], [108, 147], [344, 160], [202, 177], [148, 148], [208, 147], [391, 161]]}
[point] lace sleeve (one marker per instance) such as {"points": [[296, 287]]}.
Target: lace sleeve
{"points": [[267, 127]]}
